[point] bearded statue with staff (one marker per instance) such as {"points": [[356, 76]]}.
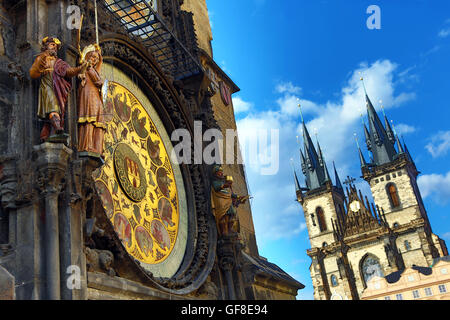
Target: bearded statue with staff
{"points": [[54, 89]]}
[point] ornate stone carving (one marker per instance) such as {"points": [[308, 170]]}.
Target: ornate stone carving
{"points": [[8, 181], [100, 260], [51, 164]]}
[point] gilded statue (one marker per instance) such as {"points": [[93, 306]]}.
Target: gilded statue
{"points": [[55, 86], [91, 116], [225, 203]]}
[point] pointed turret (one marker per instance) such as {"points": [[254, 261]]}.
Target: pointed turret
{"points": [[368, 141], [399, 145], [303, 161], [380, 140], [297, 184], [389, 131], [327, 174], [313, 162], [338, 180], [361, 156], [407, 151]]}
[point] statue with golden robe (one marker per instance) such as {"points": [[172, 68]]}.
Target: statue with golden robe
{"points": [[225, 203], [91, 116], [55, 86]]}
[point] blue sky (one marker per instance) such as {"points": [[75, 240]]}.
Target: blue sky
{"points": [[278, 51]]}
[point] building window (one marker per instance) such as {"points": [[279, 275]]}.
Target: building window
{"points": [[399, 296], [443, 271], [428, 292], [321, 219], [324, 244], [411, 278], [387, 298], [393, 195], [334, 281], [394, 175], [388, 177], [396, 225], [407, 245], [416, 294], [442, 288], [399, 173]]}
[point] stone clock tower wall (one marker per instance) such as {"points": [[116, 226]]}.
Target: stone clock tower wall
{"points": [[59, 238]]}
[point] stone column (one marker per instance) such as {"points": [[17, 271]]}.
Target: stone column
{"points": [[225, 253], [51, 162]]}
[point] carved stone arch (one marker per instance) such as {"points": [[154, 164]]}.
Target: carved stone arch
{"points": [[132, 59], [368, 258]]}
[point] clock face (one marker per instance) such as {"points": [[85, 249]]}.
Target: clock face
{"points": [[138, 185], [355, 206]]}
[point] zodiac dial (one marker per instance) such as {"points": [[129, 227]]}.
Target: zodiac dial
{"points": [[137, 184]]}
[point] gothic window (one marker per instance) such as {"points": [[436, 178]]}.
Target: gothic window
{"points": [[321, 219], [334, 280], [393, 195], [370, 267]]}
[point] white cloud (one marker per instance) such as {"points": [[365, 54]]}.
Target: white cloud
{"points": [[276, 214], [435, 186], [288, 87], [446, 236], [444, 33], [240, 105], [440, 144], [403, 129]]}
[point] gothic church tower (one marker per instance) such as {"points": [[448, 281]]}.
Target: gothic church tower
{"points": [[353, 240]]}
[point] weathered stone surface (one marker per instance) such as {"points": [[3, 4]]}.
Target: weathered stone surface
{"points": [[7, 282]]}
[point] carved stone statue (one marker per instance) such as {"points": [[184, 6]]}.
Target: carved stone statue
{"points": [[225, 202], [91, 117], [55, 86], [100, 260]]}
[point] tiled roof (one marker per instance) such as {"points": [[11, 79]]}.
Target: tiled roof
{"points": [[271, 269]]}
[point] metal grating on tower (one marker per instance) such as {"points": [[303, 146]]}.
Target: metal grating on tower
{"points": [[144, 25]]}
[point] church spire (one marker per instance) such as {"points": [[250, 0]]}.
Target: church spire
{"points": [[389, 131], [399, 145], [380, 140], [313, 163], [361, 156], [336, 177], [297, 184]]}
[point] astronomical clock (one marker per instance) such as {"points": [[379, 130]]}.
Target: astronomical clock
{"points": [[141, 189]]}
